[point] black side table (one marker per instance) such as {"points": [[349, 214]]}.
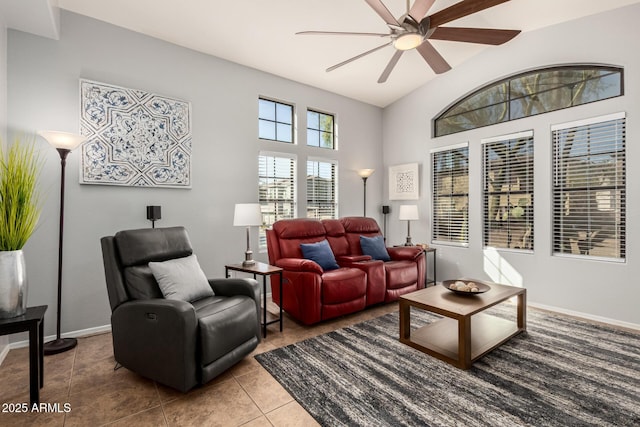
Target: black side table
{"points": [[32, 321], [428, 281], [264, 270]]}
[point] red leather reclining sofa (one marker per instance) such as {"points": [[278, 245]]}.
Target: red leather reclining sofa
{"points": [[311, 294]]}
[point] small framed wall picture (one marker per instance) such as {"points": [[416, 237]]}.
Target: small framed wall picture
{"points": [[404, 182]]}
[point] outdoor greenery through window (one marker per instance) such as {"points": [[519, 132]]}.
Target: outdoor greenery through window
{"points": [[277, 189], [508, 191], [589, 193], [322, 198], [320, 129], [530, 93], [450, 169], [275, 120]]}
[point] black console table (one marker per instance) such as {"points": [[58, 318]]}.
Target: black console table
{"points": [[32, 321]]}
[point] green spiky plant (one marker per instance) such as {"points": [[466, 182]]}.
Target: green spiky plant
{"points": [[20, 166]]}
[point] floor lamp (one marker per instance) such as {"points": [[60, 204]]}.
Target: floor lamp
{"points": [[408, 213], [364, 174], [64, 143]]}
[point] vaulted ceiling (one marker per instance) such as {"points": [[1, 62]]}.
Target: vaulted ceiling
{"points": [[261, 34]]}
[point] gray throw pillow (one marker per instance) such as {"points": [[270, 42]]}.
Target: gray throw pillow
{"points": [[181, 279]]}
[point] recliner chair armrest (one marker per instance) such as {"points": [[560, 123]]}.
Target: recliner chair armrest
{"points": [[236, 286], [299, 264], [404, 252], [239, 286]]}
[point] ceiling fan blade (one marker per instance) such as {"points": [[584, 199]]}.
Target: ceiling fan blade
{"points": [[474, 35], [392, 63], [341, 33], [433, 58], [357, 57], [460, 10], [420, 9], [384, 13]]}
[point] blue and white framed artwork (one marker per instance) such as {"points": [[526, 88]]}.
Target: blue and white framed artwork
{"points": [[135, 138]]}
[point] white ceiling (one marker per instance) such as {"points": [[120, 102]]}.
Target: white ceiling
{"points": [[261, 34]]}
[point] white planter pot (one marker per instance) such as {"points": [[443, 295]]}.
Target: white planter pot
{"points": [[13, 284]]}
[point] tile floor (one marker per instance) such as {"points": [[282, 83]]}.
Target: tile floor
{"points": [[84, 378]]}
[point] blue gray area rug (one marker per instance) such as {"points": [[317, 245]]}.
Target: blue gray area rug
{"points": [[561, 372]]}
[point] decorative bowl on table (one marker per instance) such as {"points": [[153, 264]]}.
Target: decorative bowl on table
{"points": [[466, 286]]}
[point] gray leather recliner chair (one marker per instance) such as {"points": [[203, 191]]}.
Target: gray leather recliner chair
{"points": [[176, 343]]}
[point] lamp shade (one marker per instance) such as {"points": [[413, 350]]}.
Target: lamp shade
{"points": [[365, 173], [247, 214], [408, 212], [64, 140]]}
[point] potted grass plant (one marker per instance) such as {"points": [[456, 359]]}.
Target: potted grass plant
{"points": [[20, 166]]}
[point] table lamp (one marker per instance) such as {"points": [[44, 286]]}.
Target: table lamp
{"points": [[408, 213], [247, 215]]}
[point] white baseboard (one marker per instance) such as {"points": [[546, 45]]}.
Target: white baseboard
{"points": [[4, 352], [586, 316], [74, 334]]}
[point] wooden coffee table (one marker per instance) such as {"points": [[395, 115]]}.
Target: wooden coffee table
{"points": [[464, 334]]}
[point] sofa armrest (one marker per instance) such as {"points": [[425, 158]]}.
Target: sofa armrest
{"points": [[299, 264], [404, 252], [157, 338]]}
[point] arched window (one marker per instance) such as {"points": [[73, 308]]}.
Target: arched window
{"points": [[528, 94]]}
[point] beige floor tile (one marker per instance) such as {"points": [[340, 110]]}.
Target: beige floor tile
{"points": [[291, 415], [261, 421], [111, 401], [264, 390], [223, 404], [153, 417], [89, 374], [95, 347]]}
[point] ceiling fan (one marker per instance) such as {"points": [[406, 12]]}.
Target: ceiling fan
{"points": [[414, 29]]}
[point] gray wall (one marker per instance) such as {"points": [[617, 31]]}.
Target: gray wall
{"points": [[599, 289], [43, 79]]}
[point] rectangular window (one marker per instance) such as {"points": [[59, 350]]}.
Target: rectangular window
{"points": [[450, 169], [320, 129], [277, 189], [275, 120], [322, 194], [508, 191], [589, 188]]}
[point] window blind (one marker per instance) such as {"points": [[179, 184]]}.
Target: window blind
{"points": [[450, 192], [589, 188], [507, 164], [277, 189], [322, 200]]}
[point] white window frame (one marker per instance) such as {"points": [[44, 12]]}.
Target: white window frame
{"points": [[275, 121], [333, 132], [434, 216], [265, 201], [618, 121], [527, 239], [334, 164]]}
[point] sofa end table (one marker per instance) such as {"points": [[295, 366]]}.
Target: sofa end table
{"points": [[264, 270]]}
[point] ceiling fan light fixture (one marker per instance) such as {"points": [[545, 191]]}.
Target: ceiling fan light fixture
{"points": [[408, 41]]}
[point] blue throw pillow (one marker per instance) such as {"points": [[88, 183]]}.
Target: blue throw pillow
{"points": [[374, 247], [321, 253]]}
